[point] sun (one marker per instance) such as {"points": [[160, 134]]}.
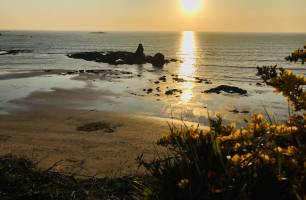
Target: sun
{"points": [[190, 6]]}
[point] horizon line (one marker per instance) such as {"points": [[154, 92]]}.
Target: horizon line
{"points": [[135, 31]]}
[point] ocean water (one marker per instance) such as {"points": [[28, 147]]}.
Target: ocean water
{"points": [[223, 58]]}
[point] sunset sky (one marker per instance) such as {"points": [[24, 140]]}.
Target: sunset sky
{"points": [[154, 15]]}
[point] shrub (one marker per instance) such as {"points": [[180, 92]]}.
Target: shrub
{"points": [[265, 160]]}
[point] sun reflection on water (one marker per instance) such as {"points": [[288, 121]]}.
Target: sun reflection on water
{"points": [[187, 68]]}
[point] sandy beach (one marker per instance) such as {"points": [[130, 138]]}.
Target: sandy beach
{"points": [[41, 123], [50, 135], [46, 131]]}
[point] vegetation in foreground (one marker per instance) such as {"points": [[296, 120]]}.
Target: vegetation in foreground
{"points": [[20, 179], [264, 160], [299, 54]]}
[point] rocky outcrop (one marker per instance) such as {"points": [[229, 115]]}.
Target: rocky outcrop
{"points": [[227, 89], [123, 57]]}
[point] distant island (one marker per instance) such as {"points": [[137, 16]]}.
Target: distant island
{"points": [[98, 32]]}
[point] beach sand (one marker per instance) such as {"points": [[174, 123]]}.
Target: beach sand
{"points": [[50, 135]]}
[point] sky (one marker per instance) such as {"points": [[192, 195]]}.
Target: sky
{"points": [[154, 15]]}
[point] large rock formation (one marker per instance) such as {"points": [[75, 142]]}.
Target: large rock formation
{"points": [[123, 57]]}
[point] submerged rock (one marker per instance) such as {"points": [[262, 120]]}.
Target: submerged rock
{"points": [[163, 78], [122, 57], [173, 91], [236, 111], [227, 89]]}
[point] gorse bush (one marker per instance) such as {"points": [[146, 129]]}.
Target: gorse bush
{"points": [[264, 160], [299, 54]]}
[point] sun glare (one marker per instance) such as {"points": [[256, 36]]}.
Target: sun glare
{"points": [[190, 6], [187, 68]]}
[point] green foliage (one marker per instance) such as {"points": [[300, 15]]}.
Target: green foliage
{"points": [[283, 80], [262, 161], [299, 54], [20, 179]]}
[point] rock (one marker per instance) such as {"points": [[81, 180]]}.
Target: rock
{"points": [[245, 112], [149, 91], [235, 111], [122, 57], [158, 60], [175, 60], [71, 72], [179, 80], [163, 78], [139, 55], [173, 91], [156, 82], [227, 89], [140, 50], [14, 52]]}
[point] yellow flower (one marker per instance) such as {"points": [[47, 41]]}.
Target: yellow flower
{"points": [[204, 133], [300, 77], [236, 159], [288, 72], [195, 136], [237, 146], [265, 157], [290, 151], [232, 126], [278, 149], [258, 117], [293, 129], [184, 183], [192, 129], [164, 139]]}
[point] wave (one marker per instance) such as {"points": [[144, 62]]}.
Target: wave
{"points": [[248, 67]]}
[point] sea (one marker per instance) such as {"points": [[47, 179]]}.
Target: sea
{"points": [[222, 58]]}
